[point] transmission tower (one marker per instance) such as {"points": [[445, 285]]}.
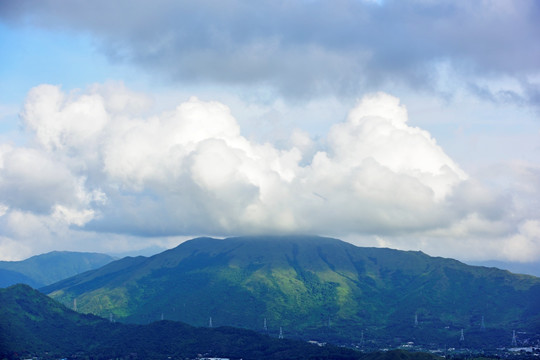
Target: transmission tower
{"points": [[162, 316], [110, 317], [210, 322], [415, 319], [514, 340], [75, 304], [462, 337], [280, 333], [265, 327]]}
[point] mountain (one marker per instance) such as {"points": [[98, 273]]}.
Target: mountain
{"points": [[45, 269], [34, 325], [314, 288]]}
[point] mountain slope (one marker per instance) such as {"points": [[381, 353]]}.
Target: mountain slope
{"points": [[312, 287], [45, 269], [8, 278], [31, 324]]}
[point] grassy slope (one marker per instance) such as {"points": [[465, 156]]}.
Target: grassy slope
{"points": [[304, 284]]}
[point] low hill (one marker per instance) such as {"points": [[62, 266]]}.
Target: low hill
{"points": [[32, 324], [314, 288], [45, 269]]}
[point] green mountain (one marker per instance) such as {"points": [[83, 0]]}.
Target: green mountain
{"points": [[32, 324], [45, 269], [314, 288]]}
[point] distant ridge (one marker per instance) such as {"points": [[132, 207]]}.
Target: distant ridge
{"points": [[45, 269], [314, 287], [516, 268]]}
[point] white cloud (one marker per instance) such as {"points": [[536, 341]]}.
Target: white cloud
{"points": [[30, 180], [72, 216], [60, 122], [377, 128], [14, 250], [525, 245], [477, 239], [190, 171]]}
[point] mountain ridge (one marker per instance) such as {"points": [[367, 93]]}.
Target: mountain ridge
{"points": [[44, 269], [311, 286]]}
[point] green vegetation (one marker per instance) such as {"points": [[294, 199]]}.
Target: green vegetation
{"points": [[31, 324], [315, 288], [45, 269]]}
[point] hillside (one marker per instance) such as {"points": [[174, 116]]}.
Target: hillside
{"points": [[31, 324], [313, 287], [45, 269]]}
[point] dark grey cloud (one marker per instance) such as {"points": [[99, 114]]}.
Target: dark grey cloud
{"points": [[308, 48]]}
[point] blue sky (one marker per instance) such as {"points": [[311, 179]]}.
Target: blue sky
{"points": [[413, 125]]}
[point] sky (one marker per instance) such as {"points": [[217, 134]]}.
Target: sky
{"points": [[127, 125]]}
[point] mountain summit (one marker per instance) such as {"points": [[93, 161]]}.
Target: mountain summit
{"points": [[311, 287]]}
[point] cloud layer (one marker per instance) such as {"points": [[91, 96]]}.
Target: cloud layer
{"points": [[304, 49], [99, 165]]}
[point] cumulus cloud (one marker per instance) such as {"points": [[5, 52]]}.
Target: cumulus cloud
{"points": [[197, 155], [102, 165], [30, 180], [305, 49], [59, 122]]}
